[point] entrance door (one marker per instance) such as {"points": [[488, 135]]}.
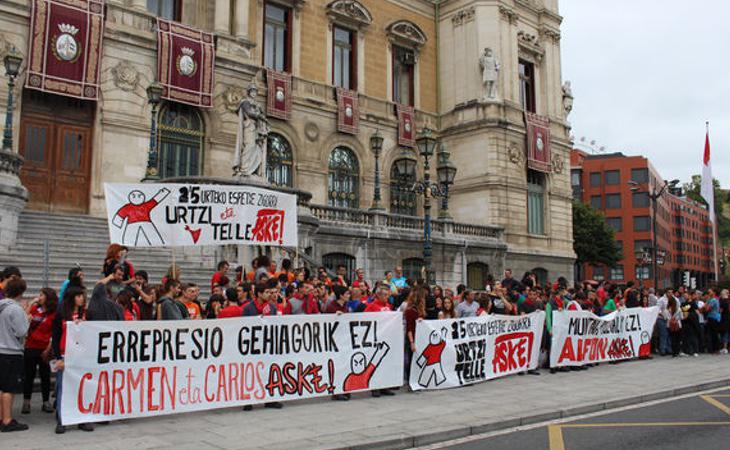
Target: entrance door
{"points": [[55, 140]]}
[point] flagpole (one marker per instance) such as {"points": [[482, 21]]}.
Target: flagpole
{"points": [[713, 221]]}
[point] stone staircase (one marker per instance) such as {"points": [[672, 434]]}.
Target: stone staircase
{"points": [[79, 239]]}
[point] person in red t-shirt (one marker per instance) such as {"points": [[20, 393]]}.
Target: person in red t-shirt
{"points": [[362, 371], [232, 307], [380, 304], [37, 353], [220, 276]]}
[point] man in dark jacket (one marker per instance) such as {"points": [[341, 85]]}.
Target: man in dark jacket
{"points": [[101, 305], [168, 309]]}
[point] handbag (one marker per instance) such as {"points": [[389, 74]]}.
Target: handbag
{"points": [[674, 324]]}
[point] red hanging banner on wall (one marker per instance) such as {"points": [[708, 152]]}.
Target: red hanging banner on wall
{"points": [[406, 125], [64, 52], [185, 63], [348, 114], [278, 96], [538, 142]]}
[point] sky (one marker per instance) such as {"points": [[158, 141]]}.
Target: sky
{"points": [[646, 75]]}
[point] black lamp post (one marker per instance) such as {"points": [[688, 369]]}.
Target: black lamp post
{"points": [[654, 195], [154, 97], [446, 171], [426, 146], [376, 145], [12, 67]]}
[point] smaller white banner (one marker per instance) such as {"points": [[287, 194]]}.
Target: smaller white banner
{"points": [[457, 352], [177, 215], [581, 337]]}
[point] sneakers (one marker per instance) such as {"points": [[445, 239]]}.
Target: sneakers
{"points": [[274, 405], [86, 427], [26, 407], [14, 425], [682, 354], [723, 351], [247, 408], [695, 355], [47, 407], [60, 429]]}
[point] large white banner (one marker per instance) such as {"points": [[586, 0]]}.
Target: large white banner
{"points": [[457, 352], [120, 370], [581, 337], [175, 215]]}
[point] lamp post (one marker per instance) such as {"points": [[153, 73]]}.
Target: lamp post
{"points": [[654, 196], [376, 145], [446, 174], [446, 171], [154, 96], [12, 67]]}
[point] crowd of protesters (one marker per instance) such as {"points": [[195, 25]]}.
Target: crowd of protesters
{"points": [[32, 333]]}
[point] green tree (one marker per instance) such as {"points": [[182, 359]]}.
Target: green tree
{"points": [[593, 238], [692, 190]]}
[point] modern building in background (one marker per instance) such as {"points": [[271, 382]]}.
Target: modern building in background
{"points": [[684, 233], [331, 73]]}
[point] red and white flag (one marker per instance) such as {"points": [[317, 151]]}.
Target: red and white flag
{"points": [[707, 190]]}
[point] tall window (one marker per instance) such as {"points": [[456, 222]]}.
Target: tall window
{"points": [[344, 178], [617, 273], [612, 177], [412, 268], [527, 85], [181, 135], [535, 202], [344, 53], [167, 9], [402, 199], [277, 37], [616, 223], [476, 275], [613, 201], [642, 223], [640, 199], [640, 175], [278, 161], [404, 61], [595, 178], [599, 273], [596, 202], [333, 260]]}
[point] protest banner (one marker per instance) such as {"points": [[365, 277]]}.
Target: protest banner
{"points": [[581, 337], [457, 352], [175, 215], [121, 370]]}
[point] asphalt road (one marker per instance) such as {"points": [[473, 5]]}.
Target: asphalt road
{"points": [[697, 422]]}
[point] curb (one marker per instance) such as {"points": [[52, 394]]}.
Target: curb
{"points": [[426, 438]]}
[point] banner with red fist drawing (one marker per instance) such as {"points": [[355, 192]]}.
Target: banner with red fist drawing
{"points": [[121, 370], [456, 352], [581, 337], [177, 215]]}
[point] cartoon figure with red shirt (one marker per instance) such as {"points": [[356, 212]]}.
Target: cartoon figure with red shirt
{"points": [[645, 347], [134, 218], [362, 371], [430, 359]]}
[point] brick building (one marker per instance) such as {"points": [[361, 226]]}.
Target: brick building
{"points": [[684, 233]]}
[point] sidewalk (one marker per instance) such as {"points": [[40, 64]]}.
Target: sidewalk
{"points": [[402, 421]]}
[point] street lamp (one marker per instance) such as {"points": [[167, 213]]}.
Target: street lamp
{"points": [[12, 67], [154, 97], [446, 173], [376, 145], [654, 196]]}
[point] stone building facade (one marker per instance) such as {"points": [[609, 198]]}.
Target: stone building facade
{"points": [[420, 53]]}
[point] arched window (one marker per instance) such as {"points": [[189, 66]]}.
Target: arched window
{"points": [[344, 178], [334, 260], [278, 161], [180, 141], [476, 275], [402, 177], [541, 275], [412, 268]]}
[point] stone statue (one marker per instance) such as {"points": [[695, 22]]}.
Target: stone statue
{"points": [[567, 98], [253, 128], [490, 73]]}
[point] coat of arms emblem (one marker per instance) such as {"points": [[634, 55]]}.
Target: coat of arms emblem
{"points": [[185, 63], [66, 47], [540, 143]]}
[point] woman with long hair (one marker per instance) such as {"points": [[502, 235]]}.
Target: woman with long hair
{"points": [[41, 311], [414, 312], [73, 309], [447, 310]]}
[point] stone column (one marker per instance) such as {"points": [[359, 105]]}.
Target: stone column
{"points": [[12, 198], [223, 16], [242, 13]]}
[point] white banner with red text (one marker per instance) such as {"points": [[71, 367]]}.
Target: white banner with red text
{"points": [[121, 370], [457, 352], [581, 337], [176, 215]]}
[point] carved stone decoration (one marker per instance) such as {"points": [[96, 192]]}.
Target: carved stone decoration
{"points": [[311, 130], [530, 45], [463, 16], [509, 14], [558, 163], [515, 155], [232, 98], [549, 33], [407, 33], [350, 12], [567, 98], [527, 38], [490, 74], [126, 76]]}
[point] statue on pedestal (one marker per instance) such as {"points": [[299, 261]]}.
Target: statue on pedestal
{"points": [[567, 98], [490, 74], [253, 129]]}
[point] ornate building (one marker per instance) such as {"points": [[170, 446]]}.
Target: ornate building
{"points": [[331, 73]]}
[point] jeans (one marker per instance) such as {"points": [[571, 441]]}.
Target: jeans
{"points": [[713, 330], [32, 360], [664, 345], [59, 385], [676, 338]]}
